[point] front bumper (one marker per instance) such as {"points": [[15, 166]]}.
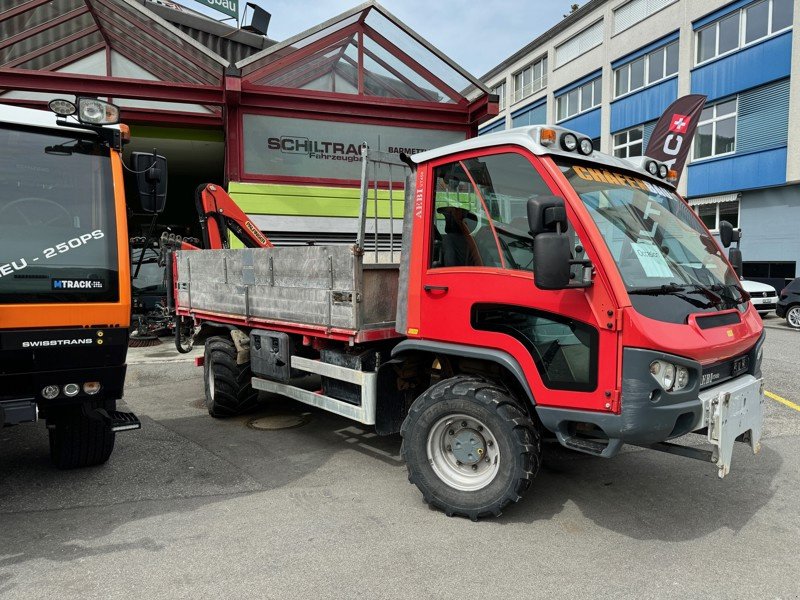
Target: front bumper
{"points": [[764, 304], [721, 412], [28, 386]]}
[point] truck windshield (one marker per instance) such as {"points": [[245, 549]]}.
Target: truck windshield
{"points": [[57, 221], [670, 265]]}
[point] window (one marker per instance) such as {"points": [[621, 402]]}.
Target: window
{"points": [[500, 90], [713, 210], [531, 79], [634, 11], [770, 270], [716, 131], [743, 27], [487, 226], [650, 68], [629, 143], [579, 44], [580, 99]]}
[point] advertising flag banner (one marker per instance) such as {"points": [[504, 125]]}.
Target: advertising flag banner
{"points": [[672, 137], [229, 7]]}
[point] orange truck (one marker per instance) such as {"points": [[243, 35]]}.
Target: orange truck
{"points": [[65, 293]]}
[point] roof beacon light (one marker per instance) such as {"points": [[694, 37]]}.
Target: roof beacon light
{"points": [[586, 146], [96, 112], [672, 176], [569, 142], [63, 108], [547, 137]]}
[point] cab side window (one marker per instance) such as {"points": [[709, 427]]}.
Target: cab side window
{"points": [[506, 182], [460, 222]]}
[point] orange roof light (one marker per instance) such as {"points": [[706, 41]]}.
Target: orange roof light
{"points": [[547, 137], [125, 132]]}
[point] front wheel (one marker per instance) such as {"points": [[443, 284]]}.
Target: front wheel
{"points": [[227, 383], [77, 440], [469, 447], [793, 317]]}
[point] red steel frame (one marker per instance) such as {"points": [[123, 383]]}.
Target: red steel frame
{"points": [[231, 96]]}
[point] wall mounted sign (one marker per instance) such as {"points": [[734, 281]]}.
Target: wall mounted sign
{"points": [[277, 146]]}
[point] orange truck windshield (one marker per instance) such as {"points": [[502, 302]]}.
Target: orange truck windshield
{"points": [[57, 219]]}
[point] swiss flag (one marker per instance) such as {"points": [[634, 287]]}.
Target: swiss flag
{"points": [[679, 123]]}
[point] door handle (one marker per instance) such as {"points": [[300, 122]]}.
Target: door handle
{"points": [[436, 288]]}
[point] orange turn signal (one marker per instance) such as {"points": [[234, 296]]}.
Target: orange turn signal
{"points": [[125, 131], [547, 137]]}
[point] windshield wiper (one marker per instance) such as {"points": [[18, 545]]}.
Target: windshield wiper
{"points": [[681, 291], [658, 290]]}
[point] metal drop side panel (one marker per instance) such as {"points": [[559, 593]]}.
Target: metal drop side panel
{"points": [[329, 286]]}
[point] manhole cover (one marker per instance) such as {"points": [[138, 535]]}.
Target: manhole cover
{"points": [[272, 422]]}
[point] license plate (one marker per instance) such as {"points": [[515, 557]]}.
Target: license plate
{"points": [[740, 365]]}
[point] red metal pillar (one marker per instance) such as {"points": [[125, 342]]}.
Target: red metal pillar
{"points": [[233, 128]]}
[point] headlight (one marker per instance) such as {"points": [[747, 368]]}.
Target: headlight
{"points": [[681, 378], [669, 376], [71, 389], [585, 146], [50, 391], [569, 142], [652, 168], [96, 112]]}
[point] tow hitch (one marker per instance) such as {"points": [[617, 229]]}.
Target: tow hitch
{"points": [[732, 412]]}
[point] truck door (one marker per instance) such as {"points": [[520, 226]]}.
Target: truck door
{"points": [[477, 281]]}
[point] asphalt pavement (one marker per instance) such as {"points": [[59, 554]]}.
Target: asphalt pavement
{"points": [[193, 507]]}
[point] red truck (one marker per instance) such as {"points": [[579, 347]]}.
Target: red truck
{"points": [[542, 289]]}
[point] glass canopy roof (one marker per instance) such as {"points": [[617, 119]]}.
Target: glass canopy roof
{"points": [[51, 34], [365, 51]]}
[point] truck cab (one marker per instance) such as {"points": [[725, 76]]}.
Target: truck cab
{"points": [[65, 296], [588, 275]]}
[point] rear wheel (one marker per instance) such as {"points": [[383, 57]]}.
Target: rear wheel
{"points": [[469, 447], [793, 316], [79, 441], [228, 389]]}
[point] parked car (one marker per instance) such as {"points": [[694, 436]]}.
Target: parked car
{"points": [[789, 304], [763, 297]]}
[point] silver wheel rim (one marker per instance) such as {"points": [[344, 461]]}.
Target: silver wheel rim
{"points": [[211, 383], [463, 452], [793, 316]]}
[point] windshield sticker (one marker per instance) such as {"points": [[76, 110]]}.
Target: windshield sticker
{"points": [[78, 284], [48, 253], [651, 259], [620, 179]]}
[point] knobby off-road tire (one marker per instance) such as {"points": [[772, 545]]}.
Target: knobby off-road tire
{"points": [[469, 447], [78, 441], [228, 389]]}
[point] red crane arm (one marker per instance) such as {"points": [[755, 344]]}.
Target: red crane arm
{"points": [[219, 214]]}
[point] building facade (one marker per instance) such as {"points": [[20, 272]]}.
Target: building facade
{"points": [[612, 67], [280, 123]]}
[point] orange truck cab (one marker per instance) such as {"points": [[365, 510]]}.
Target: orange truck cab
{"points": [[65, 290]]}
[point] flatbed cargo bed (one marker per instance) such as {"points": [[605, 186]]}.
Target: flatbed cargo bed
{"points": [[325, 291]]}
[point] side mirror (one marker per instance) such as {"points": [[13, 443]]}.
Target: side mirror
{"points": [[551, 261], [735, 258], [727, 234], [151, 180], [545, 214]]}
